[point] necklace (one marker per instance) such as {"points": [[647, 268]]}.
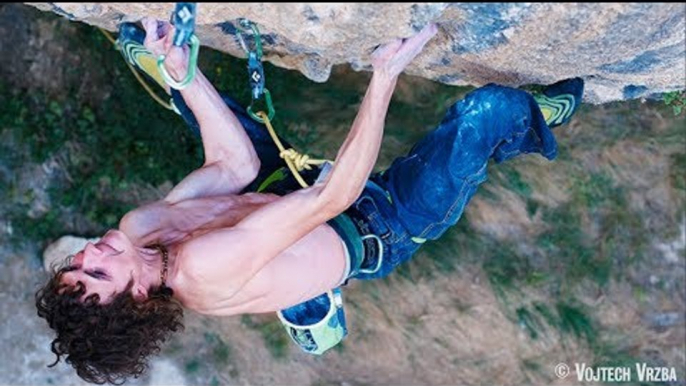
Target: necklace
{"points": [[165, 262]]}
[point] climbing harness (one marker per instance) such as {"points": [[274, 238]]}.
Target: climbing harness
{"points": [[130, 51], [183, 19]]}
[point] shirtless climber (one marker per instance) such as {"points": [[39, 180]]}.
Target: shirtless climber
{"points": [[216, 248]]}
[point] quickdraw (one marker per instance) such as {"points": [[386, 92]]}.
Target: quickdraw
{"points": [[295, 161], [255, 70], [183, 19]]}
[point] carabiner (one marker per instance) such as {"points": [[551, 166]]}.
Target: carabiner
{"points": [[183, 19], [190, 72], [270, 107]]}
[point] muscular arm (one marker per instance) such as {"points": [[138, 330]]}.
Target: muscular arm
{"points": [[167, 223], [223, 136], [231, 162], [358, 154]]}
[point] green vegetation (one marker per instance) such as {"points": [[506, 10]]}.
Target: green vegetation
{"points": [[677, 171], [210, 361], [221, 352], [192, 366], [568, 318], [676, 100], [505, 269], [107, 152], [273, 334], [508, 176], [566, 246], [569, 260]]}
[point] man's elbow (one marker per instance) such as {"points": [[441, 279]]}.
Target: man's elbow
{"points": [[242, 173], [335, 202], [252, 170]]}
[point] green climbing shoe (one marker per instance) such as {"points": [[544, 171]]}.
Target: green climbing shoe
{"points": [[130, 43], [130, 40], [559, 101]]}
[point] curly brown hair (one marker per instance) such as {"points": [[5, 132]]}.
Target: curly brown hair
{"points": [[107, 342]]}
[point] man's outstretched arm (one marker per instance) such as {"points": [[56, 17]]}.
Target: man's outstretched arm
{"points": [[268, 231], [357, 156]]}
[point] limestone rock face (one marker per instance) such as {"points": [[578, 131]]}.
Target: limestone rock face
{"points": [[623, 51]]}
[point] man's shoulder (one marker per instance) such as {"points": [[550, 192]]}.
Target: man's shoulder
{"points": [[144, 221]]}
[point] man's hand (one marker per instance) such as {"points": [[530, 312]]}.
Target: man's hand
{"points": [[158, 40], [391, 59]]}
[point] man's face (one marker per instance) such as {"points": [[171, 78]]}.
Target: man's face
{"points": [[105, 267]]}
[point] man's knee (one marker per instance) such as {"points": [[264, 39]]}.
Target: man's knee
{"points": [[493, 102], [477, 103], [494, 95]]}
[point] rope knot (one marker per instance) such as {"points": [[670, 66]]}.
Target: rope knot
{"points": [[300, 161]]}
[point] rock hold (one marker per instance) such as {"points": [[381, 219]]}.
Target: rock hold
{"points": [[622, 51]]}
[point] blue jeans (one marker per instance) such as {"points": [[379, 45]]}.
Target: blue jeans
{"points": [[425, 192]]}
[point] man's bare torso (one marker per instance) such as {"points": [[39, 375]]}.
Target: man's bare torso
{"points": [[310, 267]]}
